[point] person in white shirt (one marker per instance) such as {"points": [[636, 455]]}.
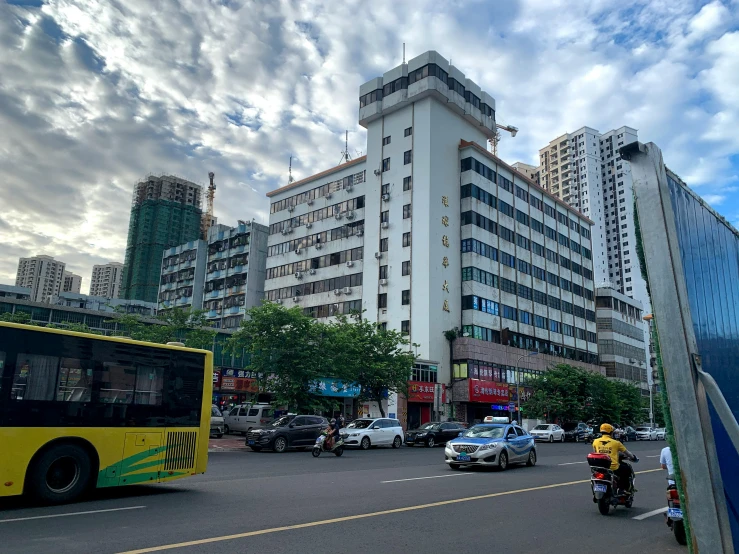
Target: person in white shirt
{"points": [[665, 460]]}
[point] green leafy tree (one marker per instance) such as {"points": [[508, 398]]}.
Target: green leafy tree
{"points": [[287, 349], [176, 325], [17, 317], [379, 361], [77, 327]]}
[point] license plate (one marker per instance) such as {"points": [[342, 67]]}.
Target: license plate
{"points": [[674, 513], [600, 488], [319, 440], [251, 442], [463, 458]]}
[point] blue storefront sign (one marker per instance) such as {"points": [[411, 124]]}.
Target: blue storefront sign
{"points": [[336, 388]]}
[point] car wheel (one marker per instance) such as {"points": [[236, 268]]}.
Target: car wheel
{"points": [[503, 461], [397, 442], [226, 429], [365, 444], [562, 438], [219, 435], [551, 438], [532, 458], [430, 442], [60, 474], [280, 445], [577, 439]]}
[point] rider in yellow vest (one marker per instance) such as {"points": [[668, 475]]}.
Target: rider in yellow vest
{"points": [[605, 444]]}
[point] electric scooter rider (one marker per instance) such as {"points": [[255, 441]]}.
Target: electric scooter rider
{"points": [[608, 445], [333, 433]]}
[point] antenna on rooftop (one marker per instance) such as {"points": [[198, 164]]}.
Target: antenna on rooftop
{"points": [[404, 52], [345, 155], [290, 171]]}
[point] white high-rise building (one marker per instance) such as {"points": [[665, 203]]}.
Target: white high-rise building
{"points": [[429, 232], [42, 274], [72, 282], [106, 280]]}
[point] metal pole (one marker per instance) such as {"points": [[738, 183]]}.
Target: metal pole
{"points": [[518, 391]]}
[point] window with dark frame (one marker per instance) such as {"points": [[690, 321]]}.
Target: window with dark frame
{"points": [[407, 239], [386, 164], [383, 245], [383, 272], [382, 300], [406, 268], [405, 327], [406, 211], [405, 297], [407, 157], [408, 132], [407, 182], [386, 141]]}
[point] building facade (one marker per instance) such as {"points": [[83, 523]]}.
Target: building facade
{"points": [[18, 293], [235, 273], [102, 304], [42, 274], [429, 232], [530, 171], [183, 276], [166, 212], [72, 282], [621, 339], [105, 280]]}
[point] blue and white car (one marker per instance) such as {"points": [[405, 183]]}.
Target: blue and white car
{"points": [[491, 445]]}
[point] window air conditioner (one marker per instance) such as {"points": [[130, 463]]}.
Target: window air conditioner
{"points": [[378, 255], [298, 275], [296, 299], [337, 292], [310, 202], [328, 196], [319, 246], [298, 251], [386, 197], [312, 271], [350, 215], [308, 225], [278, 301], [339, 215], [347, 290], [349, 264], [360, 233], [349, 188], [385, 225], [383, 282]]}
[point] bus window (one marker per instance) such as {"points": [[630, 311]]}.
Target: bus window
{"points": [[149, 385], [35, 377], [75, 381], [117, 383]]}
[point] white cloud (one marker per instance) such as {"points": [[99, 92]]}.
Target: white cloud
{"points": [[95, 95]]}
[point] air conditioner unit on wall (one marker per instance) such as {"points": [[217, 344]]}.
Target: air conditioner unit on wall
{"points": [[347, 290], [349, 188], [298, 250], [308, 225], [385, 225], [383, 282], [310, 202], [350, 215], [278, 301], [339, 215], [328, 196], [298, 274], [360, 233], [337, 292], [319, 246], [378, 255], [296, 299], [386, 197], [349, 264], [312, 271]]}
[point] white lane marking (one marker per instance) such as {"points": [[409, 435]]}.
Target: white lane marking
{"points": [[432, 477], [655, 456], [572, 463], [71, 514], [652, 513]]}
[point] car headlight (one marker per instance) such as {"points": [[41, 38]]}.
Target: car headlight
{"points": [[354, 435], [489, 446], [421, 434]]}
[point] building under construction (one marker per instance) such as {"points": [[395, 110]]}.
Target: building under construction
{"points": [[166, 212]]}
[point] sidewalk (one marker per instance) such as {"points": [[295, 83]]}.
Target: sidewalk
{"points": [[229, 443]]}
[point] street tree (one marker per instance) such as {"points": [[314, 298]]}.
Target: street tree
{"points": [[175, 325], [379, 360], [288, 351]]}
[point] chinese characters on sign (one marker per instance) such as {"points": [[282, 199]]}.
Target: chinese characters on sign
{"points": [[445, 201], [445, 241], [445, 262], [445, 221], [488, 392], [446, 305], [423, 392], [241, 373], [445, 286]]}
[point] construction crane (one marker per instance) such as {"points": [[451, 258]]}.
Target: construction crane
{"points": [[496, 137], [207, 220]]}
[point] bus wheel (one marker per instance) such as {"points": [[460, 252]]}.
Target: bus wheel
{"points": [[61, 474]]}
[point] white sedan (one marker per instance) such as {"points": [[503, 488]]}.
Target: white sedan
{"points": [[548, 432], [660, 433], [646, 434]]}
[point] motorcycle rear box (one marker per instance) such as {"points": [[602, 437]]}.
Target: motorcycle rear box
{"points": [[599, 460]]}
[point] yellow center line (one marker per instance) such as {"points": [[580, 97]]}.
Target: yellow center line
{"points": [[357, 516]]}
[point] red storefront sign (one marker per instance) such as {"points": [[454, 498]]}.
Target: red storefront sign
{"points": [[488, 392], [239, 384], [419, 391], [216, 378]]}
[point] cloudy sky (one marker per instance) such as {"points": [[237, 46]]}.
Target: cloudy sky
{"points": [[96, 94]]}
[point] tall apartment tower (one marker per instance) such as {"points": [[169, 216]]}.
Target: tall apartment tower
{"points": [[42, 274], [430, 232], [182, 277], [72, 282], [166, 212], [530, 171], [106, 279], [585, 170]]}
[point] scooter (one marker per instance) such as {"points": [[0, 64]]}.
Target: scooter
{"points": [[674, 515], [605, 486], [321, 446]]}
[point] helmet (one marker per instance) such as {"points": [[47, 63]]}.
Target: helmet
{"points": [[333, 420], [606, 428]]}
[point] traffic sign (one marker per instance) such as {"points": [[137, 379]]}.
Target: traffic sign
{"points": [[512, 406]]}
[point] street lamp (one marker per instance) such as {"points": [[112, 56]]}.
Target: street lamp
{"points": [[648, 318], [518, 382]]}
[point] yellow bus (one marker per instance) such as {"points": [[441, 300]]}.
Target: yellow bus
{"points": [[79, 411]]}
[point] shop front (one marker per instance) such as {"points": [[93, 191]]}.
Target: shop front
{"points": [[487, 398], [232, 387], [421, 401], [343, 393]]}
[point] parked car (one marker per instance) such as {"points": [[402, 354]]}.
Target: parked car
{"points": [[576, 431], [646, 434], [290, 431], [216, 422], [433, 433], [365, 432], [491, 445], [661, 433], [628, 434], [244, 417], [548, 432]]}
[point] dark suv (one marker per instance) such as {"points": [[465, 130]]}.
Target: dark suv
{"points": [[433, 433], [576, 432], [290, 431]]}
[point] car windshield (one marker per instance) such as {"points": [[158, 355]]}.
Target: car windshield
{"points": [[427, 426], [282, 422], [643, 429], [541, 428], [214, 412], [484, 432], [360, 424], [569, 426]]}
